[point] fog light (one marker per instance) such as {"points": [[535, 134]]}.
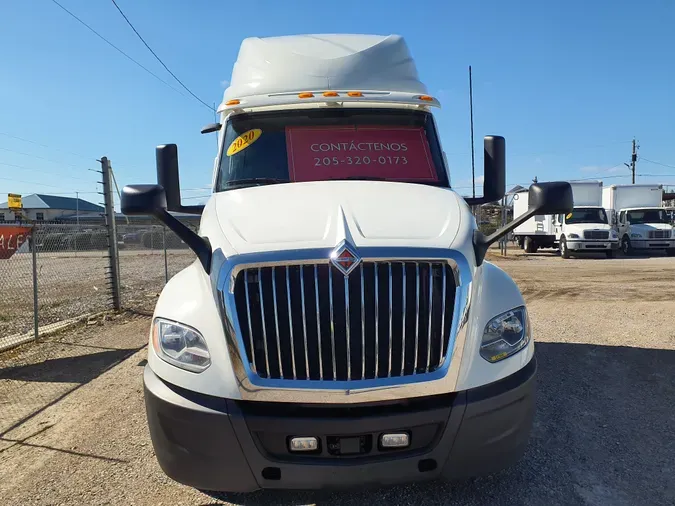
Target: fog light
{"points": [[395, 440], [304, 444]]}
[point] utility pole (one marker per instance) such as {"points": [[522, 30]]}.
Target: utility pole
{"points": [[633, 159], [113, 254]]}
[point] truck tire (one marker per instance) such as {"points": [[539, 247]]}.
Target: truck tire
{"points": [[626, 246], [610, 253], [564, 250], [530, 245], [670, 252]]}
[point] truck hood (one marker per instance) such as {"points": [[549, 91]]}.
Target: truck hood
{"points": [[320, 214], [579, 228], [646, 227]]}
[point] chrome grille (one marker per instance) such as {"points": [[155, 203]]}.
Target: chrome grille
{"points": [[386, 319], [596, 234], [659, 234]]}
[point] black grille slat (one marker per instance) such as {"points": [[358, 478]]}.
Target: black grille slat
{"points": [[398, 332], [596, 234], [659, 234]]}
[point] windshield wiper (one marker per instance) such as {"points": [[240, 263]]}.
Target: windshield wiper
{"points": [[362, 178], [235, 183]]}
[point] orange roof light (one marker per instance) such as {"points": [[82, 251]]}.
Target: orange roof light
{"points": [[232, 102], [354, 94], [426, 98], [330, 93], [306, 95]]}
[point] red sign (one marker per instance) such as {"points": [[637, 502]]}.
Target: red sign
{"points": [[392, 153], [11, 239]]}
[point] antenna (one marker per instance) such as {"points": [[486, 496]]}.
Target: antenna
{"points": [[473, 161]]}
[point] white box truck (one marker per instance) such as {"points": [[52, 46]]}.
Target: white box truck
{"points": [[586, 229], [340, 325], [535, 233], [639, 218]]}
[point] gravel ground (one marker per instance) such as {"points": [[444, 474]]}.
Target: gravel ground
{"points": [[604, 432]]}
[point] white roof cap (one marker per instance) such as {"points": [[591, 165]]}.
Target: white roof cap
{"points": [[267, 66]]}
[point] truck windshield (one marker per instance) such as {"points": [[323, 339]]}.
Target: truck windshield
{"points": [[586, 215], [647, 216], [329, 144]]}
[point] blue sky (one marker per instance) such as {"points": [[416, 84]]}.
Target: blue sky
{"points": [[567, 83]]}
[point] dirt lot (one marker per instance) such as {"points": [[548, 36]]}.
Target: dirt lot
{"points": [[72, 421]]}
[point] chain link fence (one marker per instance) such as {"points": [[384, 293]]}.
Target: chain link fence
{"points": [[53, 273]]}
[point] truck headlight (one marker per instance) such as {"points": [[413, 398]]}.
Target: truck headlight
{"points": [[574, 236], [505, 335], [180, 345], [636, 236]]}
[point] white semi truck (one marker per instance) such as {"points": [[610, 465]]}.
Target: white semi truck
{"points": [[340, 325], [585, 229], [638, 216]]}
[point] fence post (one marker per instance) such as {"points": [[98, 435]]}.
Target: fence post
{"points": [[113, 253], [166, 263], [33, 249]]}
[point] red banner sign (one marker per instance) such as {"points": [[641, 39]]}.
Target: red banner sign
{"points": [[396, 153], [11, 239]]}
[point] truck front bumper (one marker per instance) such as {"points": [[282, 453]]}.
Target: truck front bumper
{"points": [[222, 445], [590, 246], [652, 243]]}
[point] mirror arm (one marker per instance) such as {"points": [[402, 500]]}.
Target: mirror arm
{"points": [[200, 245], [481, 243], [191, 209]]}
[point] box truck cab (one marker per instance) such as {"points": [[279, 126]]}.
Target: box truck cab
{"points": [[639, 217], [586, 229], [340, 325]]}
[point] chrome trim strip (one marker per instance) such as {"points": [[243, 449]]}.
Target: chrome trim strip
{"points": [[441, 380], [347, 323], [332, 320], [304, 318], [391, 331], [405, 310], [417, 314], [440, 360], [262, 317], [377, 320], [250, 327], [276, 320], [290, 320], [318, 320], [363, 327], [431, 308]]}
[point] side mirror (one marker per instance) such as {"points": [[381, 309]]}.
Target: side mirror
{"points": [[167, 176], [550, 198], [544, 198], [494, 171], [142, 199], [213, 127]]}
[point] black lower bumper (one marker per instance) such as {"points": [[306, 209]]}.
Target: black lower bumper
{"points": [[223, 445]]}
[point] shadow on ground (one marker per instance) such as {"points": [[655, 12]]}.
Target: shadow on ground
{"points": [[604, 434]]}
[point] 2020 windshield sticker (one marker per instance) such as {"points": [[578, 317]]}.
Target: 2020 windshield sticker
{"points": [[244, 141], [391, 153]]}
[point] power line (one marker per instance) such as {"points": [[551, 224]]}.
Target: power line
{"points": [[117, 48], [48, 147], [158, 58], [31, 182], [43, 171], [657, 163], [40, 157]]}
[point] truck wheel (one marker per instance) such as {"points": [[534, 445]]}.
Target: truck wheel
{"points": [[670, 252], [610, 253], [564, 250], [626, 246], [530, 246]]}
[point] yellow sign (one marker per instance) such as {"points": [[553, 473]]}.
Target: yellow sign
{"points": [[14, 201], [244, 141]]}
